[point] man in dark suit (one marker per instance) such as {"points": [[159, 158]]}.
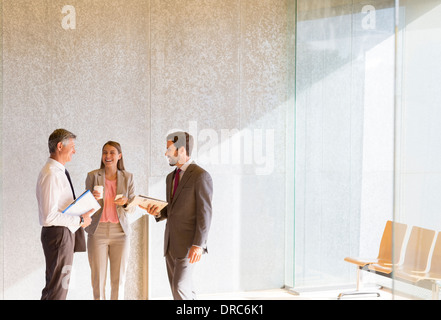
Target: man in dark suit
{"points": [[188, 213]]}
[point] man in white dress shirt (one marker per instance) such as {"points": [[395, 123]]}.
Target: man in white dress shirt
{"points": [[54, 193]]}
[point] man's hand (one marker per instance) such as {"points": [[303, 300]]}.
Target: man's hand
{"points": [[195, 254], [153, 210], [87, 219], [97, 195]]}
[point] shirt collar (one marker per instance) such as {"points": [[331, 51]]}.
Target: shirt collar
{"points": [[57, 164], [185, 165]]}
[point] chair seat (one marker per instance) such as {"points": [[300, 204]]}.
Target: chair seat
{"points": [[361, 261], [415, 276], [379, 267]]}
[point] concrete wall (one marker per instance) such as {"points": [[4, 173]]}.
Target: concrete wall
{"points": [[130, 71]]}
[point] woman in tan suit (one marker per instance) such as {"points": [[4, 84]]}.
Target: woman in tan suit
{"points": [[109, 232]]}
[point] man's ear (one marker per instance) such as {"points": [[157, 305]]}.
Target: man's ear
{"points": [[59, 146], [182, 151]]}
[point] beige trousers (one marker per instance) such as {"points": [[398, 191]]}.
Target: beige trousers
{"points": [[108, 243]]}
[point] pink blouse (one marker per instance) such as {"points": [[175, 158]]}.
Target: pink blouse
{"points": [[109, 210]]}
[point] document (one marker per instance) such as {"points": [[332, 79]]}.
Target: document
{"points": [[144, 201], [82, 204]]}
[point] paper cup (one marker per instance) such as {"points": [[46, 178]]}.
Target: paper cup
{"points": [[100, 189]]}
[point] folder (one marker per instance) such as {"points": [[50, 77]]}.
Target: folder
{"points": [[144, 201], [82, 204]]}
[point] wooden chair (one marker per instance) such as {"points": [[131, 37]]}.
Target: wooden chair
{"points": [[416, 255], [389, 253], [433, 274]]}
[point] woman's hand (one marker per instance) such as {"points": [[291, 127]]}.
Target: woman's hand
{"points": [[121, 201]]}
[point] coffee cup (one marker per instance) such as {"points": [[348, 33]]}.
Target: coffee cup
{"points": [[100, 189]]}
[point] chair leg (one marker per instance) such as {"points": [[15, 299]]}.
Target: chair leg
{"points": [[358, 278], [435, 290], [357, 291]]}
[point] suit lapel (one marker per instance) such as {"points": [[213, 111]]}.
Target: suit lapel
{"points": [[101, 181], [169, 186], [101, 178], [120, 182]]}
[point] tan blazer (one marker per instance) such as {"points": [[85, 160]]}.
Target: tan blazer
{"points": [[189, 214], [124, 186]]}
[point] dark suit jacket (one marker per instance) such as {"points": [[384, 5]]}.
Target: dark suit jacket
{"points": [[124, 186], [189, 213]]}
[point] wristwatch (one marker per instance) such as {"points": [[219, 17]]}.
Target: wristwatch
{"points": [[81, 220]]}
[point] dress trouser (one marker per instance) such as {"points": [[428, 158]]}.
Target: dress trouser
{"points": [[58, 247], [180, 276], [108, 243]]}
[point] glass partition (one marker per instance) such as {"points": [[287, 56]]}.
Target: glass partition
{"points": [[367, 142], [344, 136], [418, 147], [1, 149]]}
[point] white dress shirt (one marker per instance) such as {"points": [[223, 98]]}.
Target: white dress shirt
{"points": [[54, 195], [183, 168]]}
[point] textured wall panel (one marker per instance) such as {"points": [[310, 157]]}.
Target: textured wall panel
{"points": [[92, 80], [195, 87], [195, 68], [131, 71]]}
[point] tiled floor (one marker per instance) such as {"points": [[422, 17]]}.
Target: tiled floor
{"points": [[282, 294]]}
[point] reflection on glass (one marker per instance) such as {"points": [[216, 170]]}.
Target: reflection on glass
{"points": [[1, 151], [344, 136], [418, 147]]}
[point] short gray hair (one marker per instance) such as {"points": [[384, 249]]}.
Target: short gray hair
{"points": [[59, 135]]}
